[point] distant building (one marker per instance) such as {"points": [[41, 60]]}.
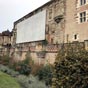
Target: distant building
{"points": [[51, 25], [5, 38]]}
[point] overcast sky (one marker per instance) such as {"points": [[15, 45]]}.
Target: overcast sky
{"points": [[12, 10]]}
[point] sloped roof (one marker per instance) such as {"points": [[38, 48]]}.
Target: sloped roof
{"points": [[31, 13], [6, 33]]}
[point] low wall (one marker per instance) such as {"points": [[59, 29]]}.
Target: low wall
{"points": [[45, 55]]}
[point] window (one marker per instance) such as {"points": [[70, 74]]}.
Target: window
{"points": [[67, 38], [82, 17], [82, 2], [47, 29], [75, 36], [50, 13], [52, 40]]}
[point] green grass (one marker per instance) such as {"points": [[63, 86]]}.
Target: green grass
{"points": [[8, 82]]}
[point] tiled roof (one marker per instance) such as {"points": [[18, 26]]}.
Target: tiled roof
{"points": [[6, 33]]}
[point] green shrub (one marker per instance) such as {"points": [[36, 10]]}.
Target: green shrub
{"points": [[28, 59], [45, 74], [35, 69], [30, 82], [9, 71], [24, 69], [5, 59], [1, 60], [25, 81], [71, 68]]}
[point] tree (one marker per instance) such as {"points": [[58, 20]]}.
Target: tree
{"points": [[71, 68]]}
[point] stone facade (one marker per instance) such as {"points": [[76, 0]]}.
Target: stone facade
{"points": [[5, 38], [73, 26], [63, 25], [44, 51], [54, 29]]}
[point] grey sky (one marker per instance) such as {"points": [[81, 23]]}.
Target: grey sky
{"points": [[12, 10]]}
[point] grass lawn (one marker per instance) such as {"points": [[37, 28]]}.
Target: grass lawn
{"points": [[8, 82]]}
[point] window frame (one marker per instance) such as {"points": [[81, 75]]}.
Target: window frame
{"points": [[83, 17], [83, 2], [75, 37]]}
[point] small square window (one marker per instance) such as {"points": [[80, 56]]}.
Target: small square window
{"points": [[75, 36]]}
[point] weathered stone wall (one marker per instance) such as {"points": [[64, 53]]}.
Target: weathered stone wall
{"points": [[61, 26], [49, 54], [55, 29], [72, 24], [44, 51], [39, 56], [1, 41]]}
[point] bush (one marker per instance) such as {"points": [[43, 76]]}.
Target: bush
{"points": [[28, 59], [8, 71], [5, 59], [72, 70], [35, 69], [24, 69], [25, 81], [30, 82], [45, 74]]}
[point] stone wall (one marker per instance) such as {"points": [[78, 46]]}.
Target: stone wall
{"points": [[47, 55], [61, 26], [44, 51], [72, 21]]}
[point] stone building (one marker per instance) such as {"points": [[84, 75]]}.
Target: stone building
{"points": [[76, 25], [6, 39], [66, 21]]}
